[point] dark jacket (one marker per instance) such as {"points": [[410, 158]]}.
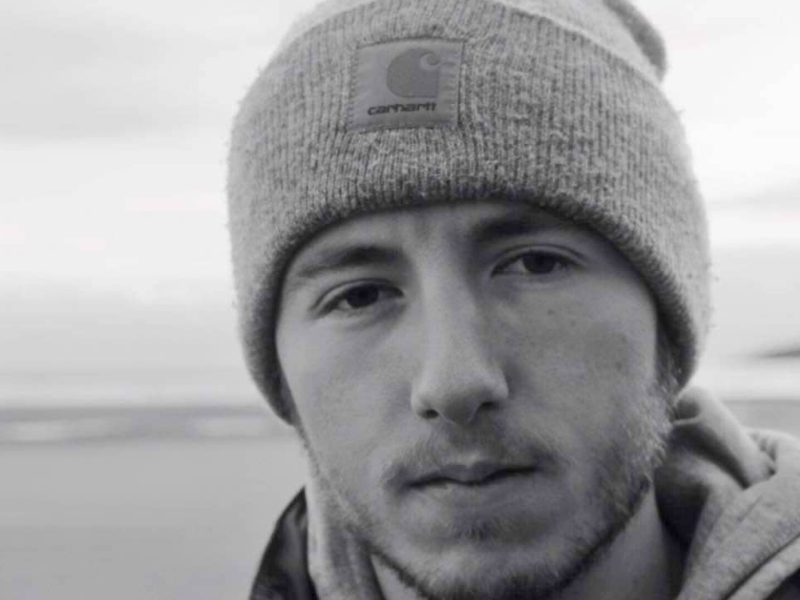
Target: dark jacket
{"points": [[283, 574]]}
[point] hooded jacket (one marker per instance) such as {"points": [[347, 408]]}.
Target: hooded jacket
{"points": [[731, 495]]}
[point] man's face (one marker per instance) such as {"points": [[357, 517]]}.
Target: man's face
{"points": [[476, 387]]}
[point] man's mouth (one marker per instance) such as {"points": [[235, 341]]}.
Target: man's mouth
{"points": [[476, 474]]}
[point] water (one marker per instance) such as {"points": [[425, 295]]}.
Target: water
{"points": [[42, 425]]}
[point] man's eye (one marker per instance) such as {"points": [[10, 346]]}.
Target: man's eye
{"points": [[359, 298], [536, 263]]}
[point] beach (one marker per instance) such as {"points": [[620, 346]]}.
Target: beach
{"points": [[140, 519]]}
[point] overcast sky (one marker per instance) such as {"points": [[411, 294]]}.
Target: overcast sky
{"points": [[114, 122]]}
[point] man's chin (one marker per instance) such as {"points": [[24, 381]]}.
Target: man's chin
{"points": [[515, 515], [469, 574], [481, 563]]}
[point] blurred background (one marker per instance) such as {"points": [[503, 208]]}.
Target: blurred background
{"points": [[136, 458]]}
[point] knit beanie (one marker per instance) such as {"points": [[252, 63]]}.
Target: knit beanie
{"points": [[369, 105]]}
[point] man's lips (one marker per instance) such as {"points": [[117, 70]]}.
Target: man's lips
{"points": [[466, 489], [472, 474]]}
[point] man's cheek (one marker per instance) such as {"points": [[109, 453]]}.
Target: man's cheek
{"points": [[341, 417]]}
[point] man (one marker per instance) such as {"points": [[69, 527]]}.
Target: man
{"points": [[472, 271]]}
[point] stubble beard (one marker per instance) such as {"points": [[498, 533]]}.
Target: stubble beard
{"points": [[622, 480]]}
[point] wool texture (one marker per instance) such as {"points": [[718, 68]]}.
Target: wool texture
{"points": [[557, 103]]}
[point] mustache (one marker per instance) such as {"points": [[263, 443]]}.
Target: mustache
{"points": [[496, 444]]}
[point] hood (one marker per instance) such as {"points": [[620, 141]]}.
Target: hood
{"points": [[732, 496]]}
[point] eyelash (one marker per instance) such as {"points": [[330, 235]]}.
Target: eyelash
{"points": [[562, 261], [333, 304]]}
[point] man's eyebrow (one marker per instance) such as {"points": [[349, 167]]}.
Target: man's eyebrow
{"points": [[339, 258]]}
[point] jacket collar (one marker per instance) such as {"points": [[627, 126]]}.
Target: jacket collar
{"points": [[283, 573]]}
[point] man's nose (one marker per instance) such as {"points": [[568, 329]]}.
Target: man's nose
{"points": [[460, 373]]}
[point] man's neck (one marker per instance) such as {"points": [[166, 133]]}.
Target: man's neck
{"points": [[645, 562]]}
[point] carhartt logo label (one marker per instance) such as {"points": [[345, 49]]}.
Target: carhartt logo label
{"points": [[408, 83]]}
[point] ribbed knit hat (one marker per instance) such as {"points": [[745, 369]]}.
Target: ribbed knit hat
{"points": [[376, 104]]}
